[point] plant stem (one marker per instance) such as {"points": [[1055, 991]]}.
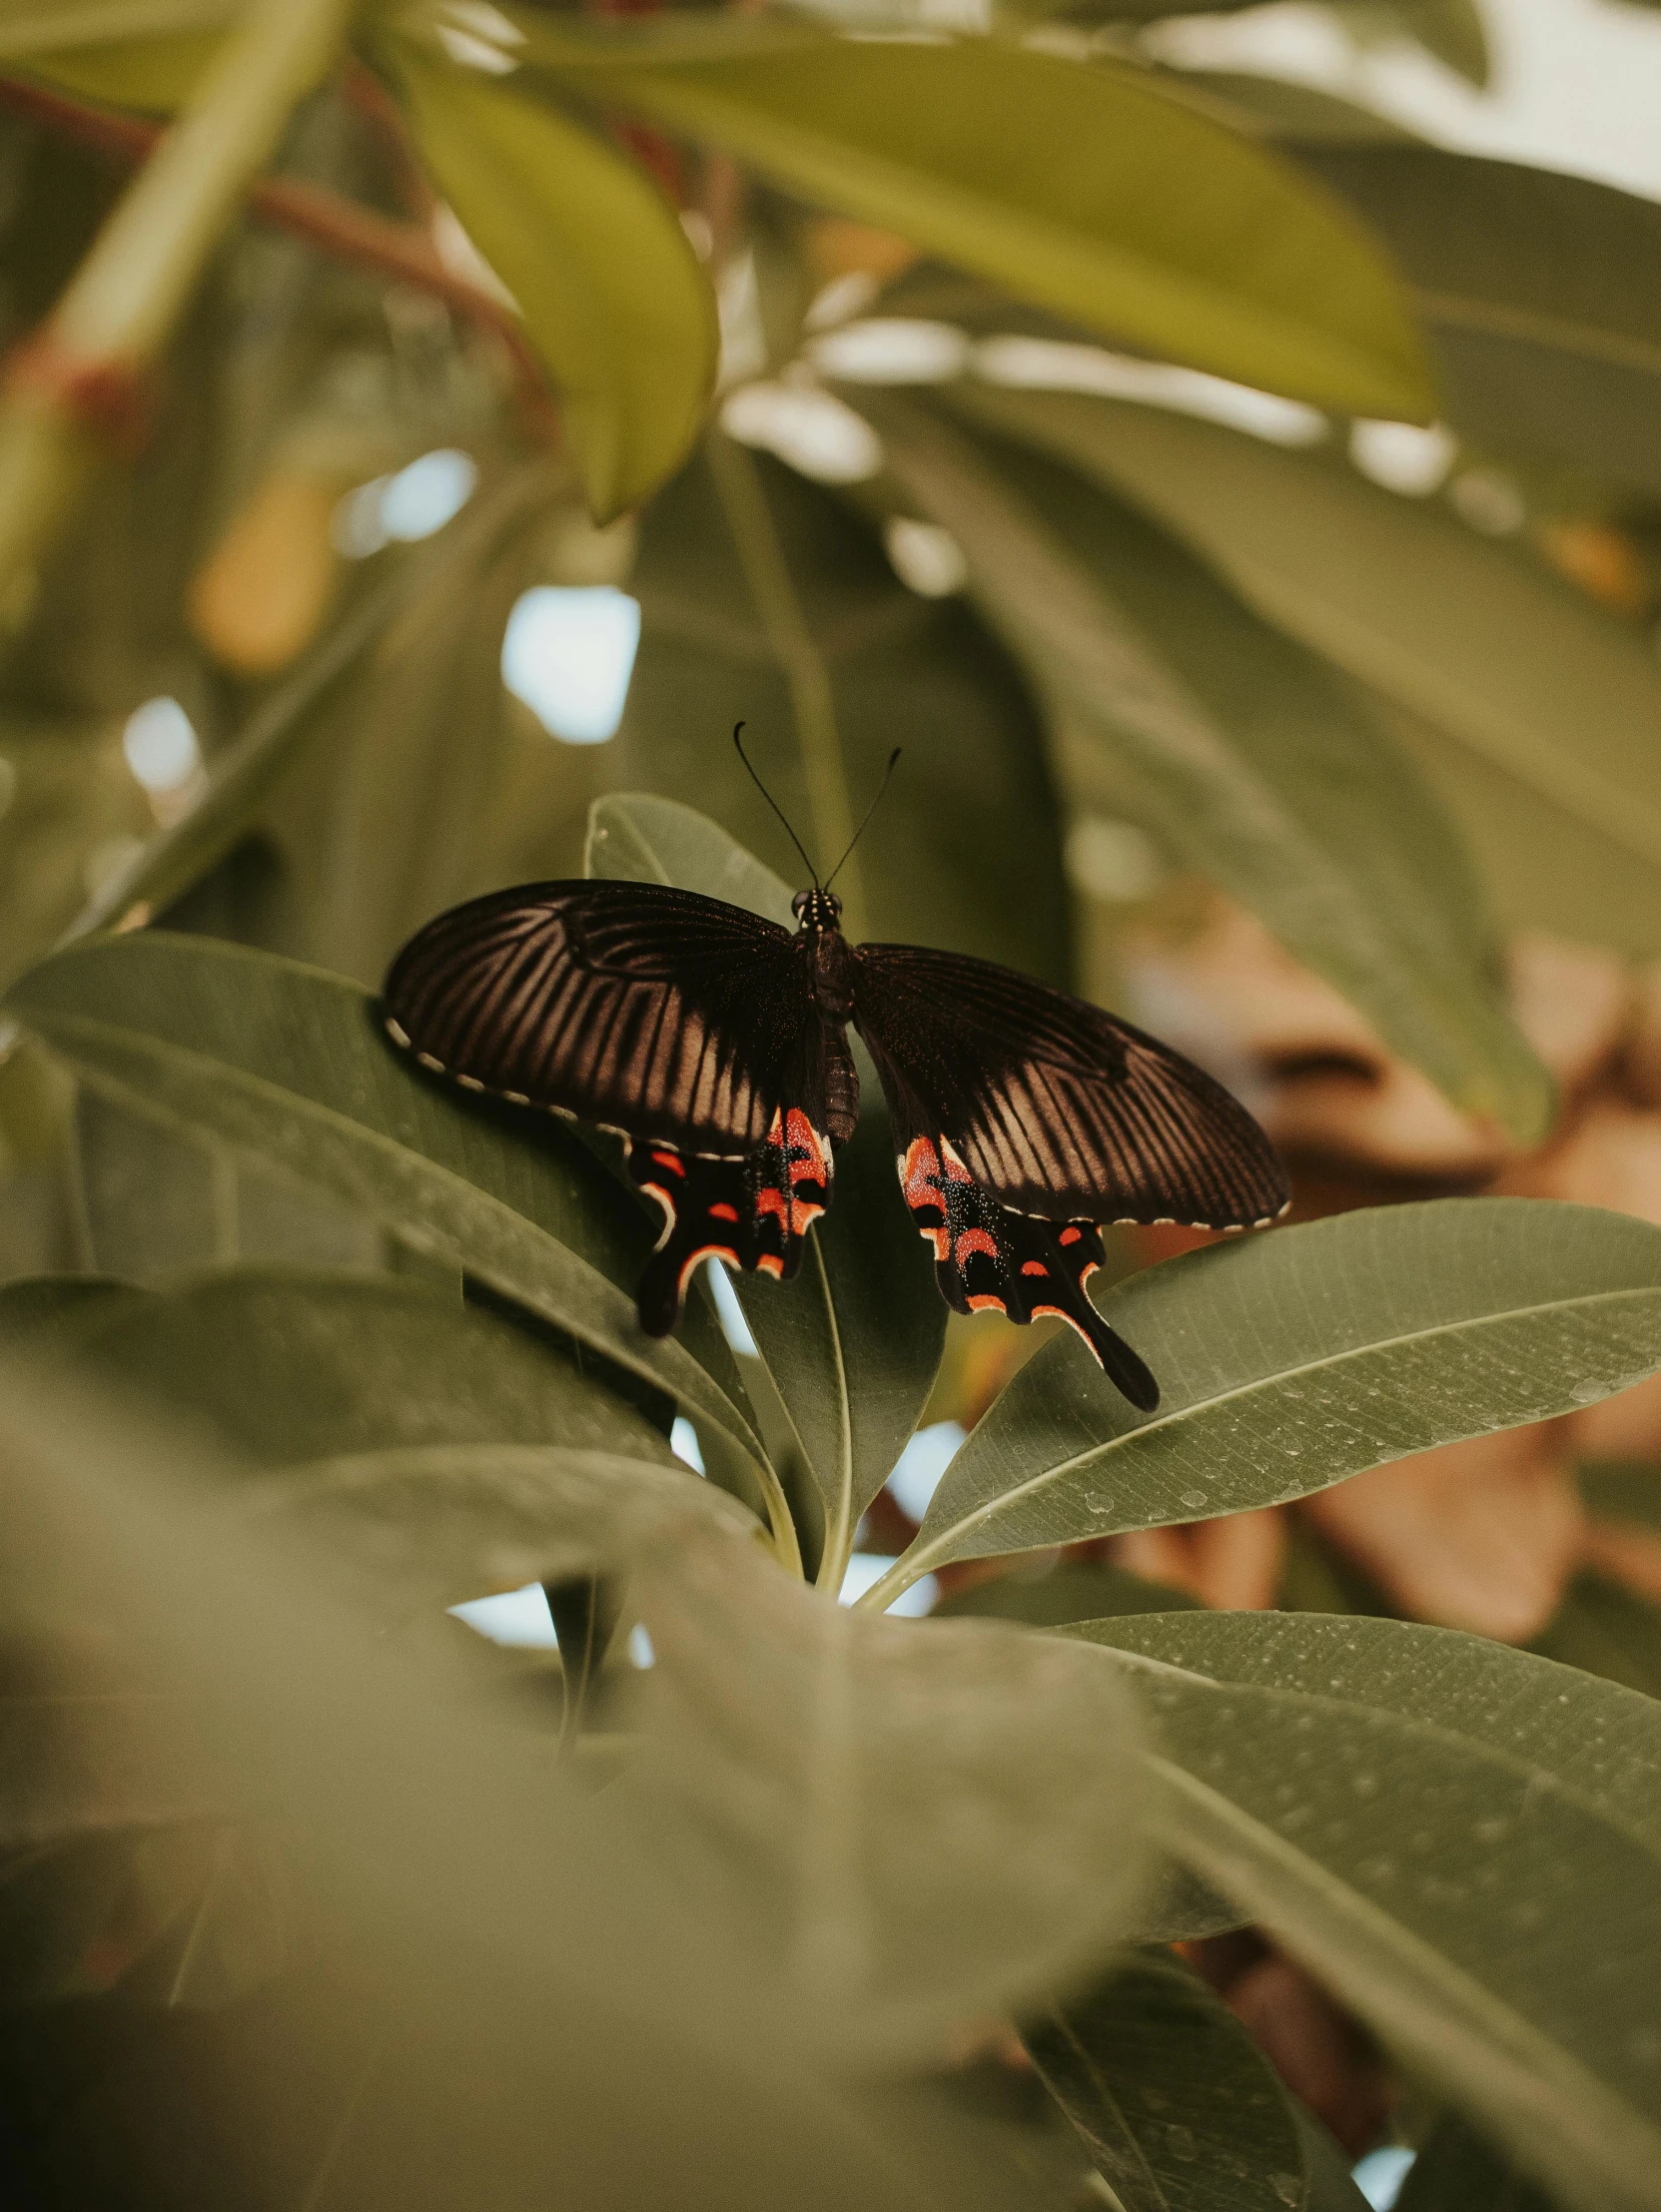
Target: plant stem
{"points": [[767, 573], [74, 387], [894, 1584], [342, 227]]}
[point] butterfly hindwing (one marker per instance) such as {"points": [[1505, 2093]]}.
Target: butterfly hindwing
{"points": [[1024, 1118], [753, 1212], [988, 1258]]}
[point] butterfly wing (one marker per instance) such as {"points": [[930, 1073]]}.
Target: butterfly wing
{"points": [[686, 1024], [1025, 1117]]}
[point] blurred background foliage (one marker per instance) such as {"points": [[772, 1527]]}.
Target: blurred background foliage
{"points": [[1245, 513]]}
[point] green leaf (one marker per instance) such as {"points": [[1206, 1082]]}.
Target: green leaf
{"points": [[295, 1366], [1289, 1360], [613, 297], [159, 75], [1595, 1739], [1241, 751], [1451, 30], [1456, 2171], [292, 719], [639, 837], [854, 1342], [1546, 334], [917, 1827], [764, 600], [515, 1977], [69, 795], [35, 1302], [1179, 2110], [1537, 687], [134, 53], [1441, 1829], [865, 1834], [1066, 1590], [286, 1066], [1332, 2183], [1608, 1630], [1082, 189]]}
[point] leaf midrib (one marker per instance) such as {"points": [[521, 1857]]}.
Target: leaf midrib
{"points": [[728, 118], [925, 1555], [838, 1537], [1505, 2037], [1533, 1775]]}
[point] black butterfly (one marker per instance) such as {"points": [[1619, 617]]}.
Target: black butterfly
{"points": [[714, 1041]]}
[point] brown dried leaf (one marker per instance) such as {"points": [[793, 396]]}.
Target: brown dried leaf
{"points": [[1480, 1535]]}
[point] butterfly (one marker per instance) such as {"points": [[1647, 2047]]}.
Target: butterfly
{"points": [[714, 1041]]}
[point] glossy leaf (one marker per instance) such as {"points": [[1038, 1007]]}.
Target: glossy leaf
{"points": [[285, 1067], [1250, 762], [764, 600], [1596, 1739], [1444, 1855], [854, 1342], [1289, 1360], [1178, 2107], [1537, 685], [613, 297], [1083, 190], [1533, 285]]}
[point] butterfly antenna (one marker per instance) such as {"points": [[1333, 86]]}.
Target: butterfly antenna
{"points": [[893, 760], [773, 803]]}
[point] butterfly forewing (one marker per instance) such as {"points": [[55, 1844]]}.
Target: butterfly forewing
{"points": [[1054, 1107], [648, 1010]]}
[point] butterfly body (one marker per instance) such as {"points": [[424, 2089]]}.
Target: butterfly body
{"points": [[715, 1043]]}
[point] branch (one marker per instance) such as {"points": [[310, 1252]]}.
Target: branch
{"points": [[75, 384], [342, 227]]}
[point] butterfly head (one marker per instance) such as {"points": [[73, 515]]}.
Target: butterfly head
{"points": [[817, 910]]}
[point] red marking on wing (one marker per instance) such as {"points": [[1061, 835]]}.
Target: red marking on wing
{"points": [[976, 1240], [1070, 1235], [669, 1160], [721, 1212], [1034, 1267], [920, 1175], [987, 1305]]}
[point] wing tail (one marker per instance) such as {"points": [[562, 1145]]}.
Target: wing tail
{"points": [[991, 1259]]}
